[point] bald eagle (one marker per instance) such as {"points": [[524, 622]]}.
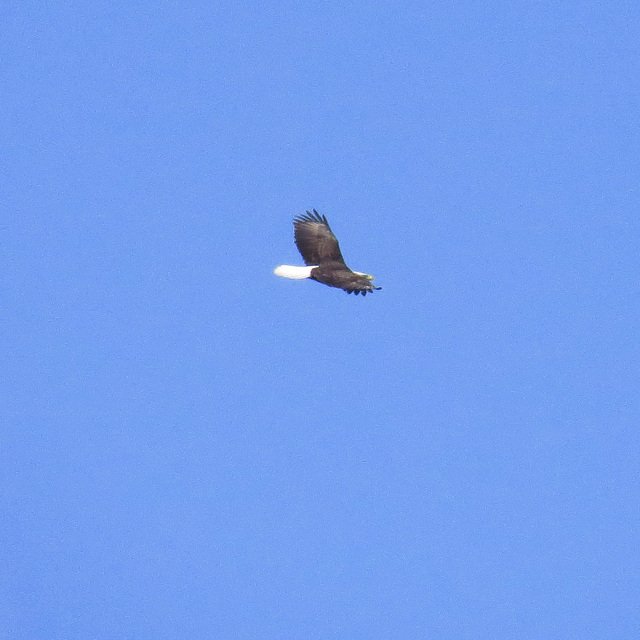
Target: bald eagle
{"points": [[321, 253]]}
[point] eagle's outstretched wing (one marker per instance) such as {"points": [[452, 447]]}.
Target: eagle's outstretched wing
{"points": [[315, 240]]}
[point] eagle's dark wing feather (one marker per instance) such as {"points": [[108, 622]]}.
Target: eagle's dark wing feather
{"points": [[315, 240]]}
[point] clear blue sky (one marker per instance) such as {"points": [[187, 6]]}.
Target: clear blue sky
{"points": [[194, 448]]}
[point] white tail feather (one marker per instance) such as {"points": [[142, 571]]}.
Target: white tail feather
{"points": [[294, 273]]}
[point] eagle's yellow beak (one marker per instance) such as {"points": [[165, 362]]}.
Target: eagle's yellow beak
{"points": [[370, 278]]}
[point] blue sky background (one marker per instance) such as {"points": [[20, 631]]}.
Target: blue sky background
{"points": [[192, 447]]}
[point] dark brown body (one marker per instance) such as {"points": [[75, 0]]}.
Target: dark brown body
{"points": [[341, 277], [319, 248]]}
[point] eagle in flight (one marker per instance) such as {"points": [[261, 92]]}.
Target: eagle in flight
{"points": [[321, 253]]}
